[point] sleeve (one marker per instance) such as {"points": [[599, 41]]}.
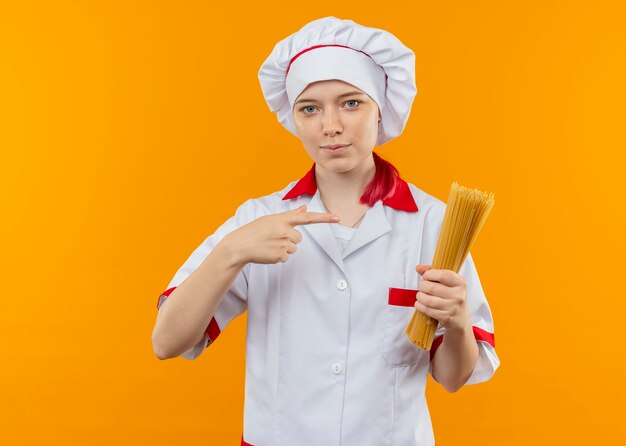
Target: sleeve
{"points": [[482, 326], [235, 300]]}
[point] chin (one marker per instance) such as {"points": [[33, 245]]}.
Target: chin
{"points": [[338, 165]]}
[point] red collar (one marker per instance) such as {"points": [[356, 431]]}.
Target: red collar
{"points": [[401, 199]]}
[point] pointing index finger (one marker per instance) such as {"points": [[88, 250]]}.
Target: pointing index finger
{"points": [[306, 218]]}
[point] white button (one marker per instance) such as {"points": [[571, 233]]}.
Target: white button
{"points": [[337, 368], [342, 284]]}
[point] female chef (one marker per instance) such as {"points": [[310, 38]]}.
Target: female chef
{"points": [[327, 268]]}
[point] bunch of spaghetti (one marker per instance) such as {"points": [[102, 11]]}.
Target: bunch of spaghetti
{"points": [[466, 212]]}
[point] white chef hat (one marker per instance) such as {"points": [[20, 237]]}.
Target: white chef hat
{"points": [[371, 59]]}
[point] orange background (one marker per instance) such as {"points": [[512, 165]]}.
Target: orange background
{"points": [[129, 131]]}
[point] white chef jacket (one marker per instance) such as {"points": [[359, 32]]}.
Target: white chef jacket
{"points": [[327, 358]]}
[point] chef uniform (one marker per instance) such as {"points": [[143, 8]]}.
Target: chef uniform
{"points": [[327, 359]]}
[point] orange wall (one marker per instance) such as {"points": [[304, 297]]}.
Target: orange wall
{"points": [[129, 131]]}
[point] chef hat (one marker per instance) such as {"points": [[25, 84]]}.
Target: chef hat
{"points": [[371, 59]]}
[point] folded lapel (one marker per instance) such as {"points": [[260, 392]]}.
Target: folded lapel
{"points": [[374, 225], [322, 233]]}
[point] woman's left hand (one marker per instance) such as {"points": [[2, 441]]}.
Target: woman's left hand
{"points": [[442, 296]]}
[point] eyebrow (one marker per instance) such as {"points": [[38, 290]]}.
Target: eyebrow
{"points": [[350, 93]]}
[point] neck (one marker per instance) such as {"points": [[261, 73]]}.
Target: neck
{"points": [[344, 189]]}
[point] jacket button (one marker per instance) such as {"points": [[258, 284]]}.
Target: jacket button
{"points": [[342, 284], [337, 368]]}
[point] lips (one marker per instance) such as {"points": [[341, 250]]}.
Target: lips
{"points": [[336, 149], [335, 146]]}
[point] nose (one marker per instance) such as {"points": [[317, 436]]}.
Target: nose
{"points": [[330, 123]]}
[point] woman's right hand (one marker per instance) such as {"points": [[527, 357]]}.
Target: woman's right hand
{"points": [[271, 238]]}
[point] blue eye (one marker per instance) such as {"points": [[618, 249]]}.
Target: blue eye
{"points": [[353, 100], [304, 108]]}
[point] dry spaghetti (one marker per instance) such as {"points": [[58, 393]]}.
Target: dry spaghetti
{"points": [[466, 212]]}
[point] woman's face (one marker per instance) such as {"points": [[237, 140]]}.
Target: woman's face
{"points": [[333, 112]]}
